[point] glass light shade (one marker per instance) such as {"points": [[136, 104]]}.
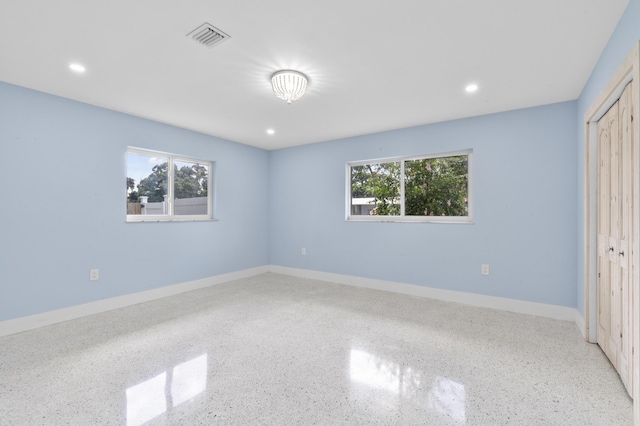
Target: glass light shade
{"points": [[289, 85]]}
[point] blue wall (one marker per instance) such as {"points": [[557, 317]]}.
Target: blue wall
{"points": [[63, 208], [62, 212], [524, 186], [624, 38]]}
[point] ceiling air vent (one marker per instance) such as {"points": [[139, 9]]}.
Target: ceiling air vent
{"points": [[208, 35]]}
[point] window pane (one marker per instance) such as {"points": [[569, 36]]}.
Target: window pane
{"points": [[190, 188], [437, 186], [375, 189], [146, 184]]}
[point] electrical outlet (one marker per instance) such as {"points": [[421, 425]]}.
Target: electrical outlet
{"points": [[485, 270], [94, 274], [304, 251]]}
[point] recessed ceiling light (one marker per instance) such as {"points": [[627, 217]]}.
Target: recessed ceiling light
{"points": [[471, 88], [77, 67], [270, 131]]}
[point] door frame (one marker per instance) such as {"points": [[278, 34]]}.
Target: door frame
{"points": [[628, 71]]}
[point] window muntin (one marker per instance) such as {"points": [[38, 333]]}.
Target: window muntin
{"points": [[165, 187], [434, 188]]}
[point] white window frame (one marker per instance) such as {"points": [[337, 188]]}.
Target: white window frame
{"points": [[171, 159], [402, 217]]}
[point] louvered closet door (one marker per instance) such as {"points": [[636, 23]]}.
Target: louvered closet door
{"points": [[605, 269], [615, 209], [625, 315]]}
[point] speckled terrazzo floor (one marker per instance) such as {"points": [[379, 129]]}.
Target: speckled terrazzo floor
{"points": [[277, 350]]}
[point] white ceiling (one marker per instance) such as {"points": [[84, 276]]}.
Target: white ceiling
{"points": [[373, 65]]}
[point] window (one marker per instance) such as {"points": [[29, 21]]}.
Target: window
{"points": [[165, 187], [433, 188]]}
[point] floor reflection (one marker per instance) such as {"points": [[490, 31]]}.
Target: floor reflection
{"points": [[389, 386], [146, 400], [189, 379], [448, 398], [373, 371], [155, 396]]}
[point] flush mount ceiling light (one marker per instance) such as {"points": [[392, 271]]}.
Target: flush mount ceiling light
{"points": [[471, 88], [289, 85]]}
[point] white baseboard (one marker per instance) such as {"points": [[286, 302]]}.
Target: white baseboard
{"points": [[31, 322], [519, 306], [581, 324]]}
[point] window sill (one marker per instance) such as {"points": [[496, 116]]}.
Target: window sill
{"points": [[412, 219], [147, 219]]}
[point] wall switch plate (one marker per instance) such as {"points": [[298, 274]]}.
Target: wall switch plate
{"points": [[485, 270], [304, 251], [94, 274]]}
